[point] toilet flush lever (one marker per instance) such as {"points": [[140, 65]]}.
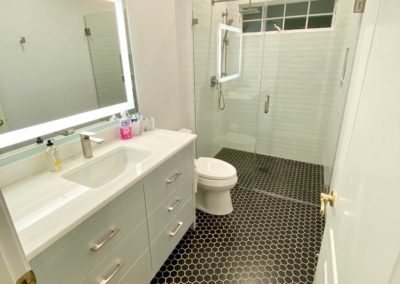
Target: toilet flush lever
{"points": [[331, 198]]}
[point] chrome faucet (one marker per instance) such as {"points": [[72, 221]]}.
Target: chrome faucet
{"points": [[86, 142]]}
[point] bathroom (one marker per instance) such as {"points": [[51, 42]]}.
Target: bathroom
{"points": [[199, 141]]}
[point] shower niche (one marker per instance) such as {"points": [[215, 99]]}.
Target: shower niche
{"points": [[229, 53]]}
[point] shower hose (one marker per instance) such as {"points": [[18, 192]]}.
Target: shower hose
{"points": [[221, 99]]}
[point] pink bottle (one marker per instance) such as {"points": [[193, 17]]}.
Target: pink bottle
{"points": [[125, 129]]}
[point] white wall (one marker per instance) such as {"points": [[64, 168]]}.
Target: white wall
{"points": [[161, 64]]}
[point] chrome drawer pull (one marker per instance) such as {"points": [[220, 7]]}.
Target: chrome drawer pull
{"points": [[97, 246], [111, 276], [173, 178], [173, 207], [176, 230]]}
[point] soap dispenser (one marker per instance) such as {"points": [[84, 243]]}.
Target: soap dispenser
{"points": [[53, 157]]}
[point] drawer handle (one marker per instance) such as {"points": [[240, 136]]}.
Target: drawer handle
{"points": [[173, 178], [173, 207], [112, 274], [97, 246], [174, 232]]}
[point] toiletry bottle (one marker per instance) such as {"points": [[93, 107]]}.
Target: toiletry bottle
{"points": [[151, 124], [136, 128], [125, 130], [53, 157], [143, 123]]}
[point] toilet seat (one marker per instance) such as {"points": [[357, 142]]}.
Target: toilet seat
{"points": [[215, 169]]}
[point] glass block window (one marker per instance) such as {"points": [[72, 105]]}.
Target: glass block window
{"points": [[302, 15]]}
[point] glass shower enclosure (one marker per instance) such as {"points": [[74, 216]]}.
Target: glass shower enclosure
{"points": [[278, 122]]}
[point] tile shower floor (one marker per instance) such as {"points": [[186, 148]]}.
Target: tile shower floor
{"points": [[272, 236], [283, 177]]}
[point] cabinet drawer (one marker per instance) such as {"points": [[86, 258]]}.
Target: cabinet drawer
{"points": [[164, 180], [166, 242], [121, 259], [140, 272], [169, 208], [70, 258]]}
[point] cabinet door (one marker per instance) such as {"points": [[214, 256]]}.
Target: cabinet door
{"points": [[13, 263]]}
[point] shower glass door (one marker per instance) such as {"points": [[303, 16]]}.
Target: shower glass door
{"points": [[226, 113], [307, 59]]}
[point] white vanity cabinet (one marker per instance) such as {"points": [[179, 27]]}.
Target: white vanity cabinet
{"points": [[129, 239], [170, 209]]}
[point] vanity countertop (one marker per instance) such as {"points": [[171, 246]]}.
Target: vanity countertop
{"points": [[45, 206]]}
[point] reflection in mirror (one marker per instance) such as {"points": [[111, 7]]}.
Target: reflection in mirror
{"points": [[58, 59], [229, 53]]}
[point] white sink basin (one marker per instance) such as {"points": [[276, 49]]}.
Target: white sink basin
{"points": [[99, 171]]}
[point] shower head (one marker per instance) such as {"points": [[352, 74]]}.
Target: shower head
{"points": [[249, 10], [220, 1], [245, 11]]}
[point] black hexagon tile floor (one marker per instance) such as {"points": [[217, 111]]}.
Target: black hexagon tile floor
{"points": [[293, 179], [264, 240]]}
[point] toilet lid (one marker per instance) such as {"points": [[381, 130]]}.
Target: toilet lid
{"points": [[211, 168]]}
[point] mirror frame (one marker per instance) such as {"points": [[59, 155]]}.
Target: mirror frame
{"points": [[32, 132], [221, 28]]}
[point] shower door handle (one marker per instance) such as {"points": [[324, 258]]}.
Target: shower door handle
{"points": [[346, 58], [266, 104]]}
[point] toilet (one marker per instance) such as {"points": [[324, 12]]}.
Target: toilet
{"points": [[215, 179]]}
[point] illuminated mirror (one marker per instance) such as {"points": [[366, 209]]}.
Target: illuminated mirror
{"points": [[63, 63], [229, 53]]}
